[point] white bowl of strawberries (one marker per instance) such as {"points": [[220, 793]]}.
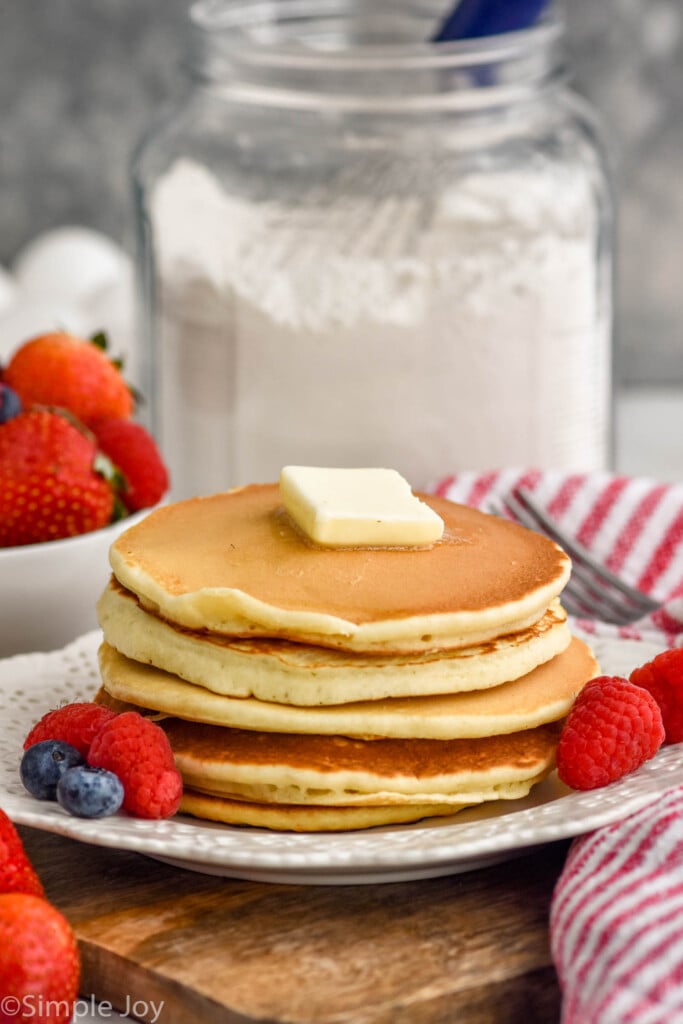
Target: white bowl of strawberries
{"points": [[76, 470]]}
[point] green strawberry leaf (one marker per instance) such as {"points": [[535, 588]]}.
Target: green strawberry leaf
{"points": [[120, 511], [100, 340]]}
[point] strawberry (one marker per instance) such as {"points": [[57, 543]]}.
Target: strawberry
{"points": [[39, 964], [16, 871], [49, 487], [136, 456], [61, 370]]}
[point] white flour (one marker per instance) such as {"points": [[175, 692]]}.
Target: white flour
{"points": [[359, 333]]}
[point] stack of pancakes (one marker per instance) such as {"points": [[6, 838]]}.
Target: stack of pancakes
{"points": [[313, 688]]}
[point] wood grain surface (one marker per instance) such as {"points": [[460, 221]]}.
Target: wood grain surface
{"points": [[470, 948]]}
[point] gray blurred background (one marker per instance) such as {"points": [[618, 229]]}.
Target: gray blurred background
{"points": [[81, 79]]}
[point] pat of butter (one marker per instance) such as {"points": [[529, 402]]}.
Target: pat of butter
{"points": [[357, 507]]}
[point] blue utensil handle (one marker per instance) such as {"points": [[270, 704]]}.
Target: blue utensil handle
{"points": [[472, 19]]}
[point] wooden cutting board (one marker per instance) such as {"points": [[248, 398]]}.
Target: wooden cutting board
{"points": [[471, 948]]}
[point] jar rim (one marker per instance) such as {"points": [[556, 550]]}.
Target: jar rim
{"points": [[250, 23], [337, 55]]}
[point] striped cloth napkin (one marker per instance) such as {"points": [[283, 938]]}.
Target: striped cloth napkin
{"points": [[616, 921], [634, 526]]}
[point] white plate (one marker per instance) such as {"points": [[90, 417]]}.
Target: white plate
{"points": [[32, 684]]}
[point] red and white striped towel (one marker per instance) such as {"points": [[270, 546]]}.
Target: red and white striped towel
{"points": [[616, 922], [633, 525]]}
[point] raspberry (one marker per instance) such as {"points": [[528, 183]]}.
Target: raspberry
{"points": [[613, 728], [663, 678], [134, 452], [76, 724], [138, 751]]}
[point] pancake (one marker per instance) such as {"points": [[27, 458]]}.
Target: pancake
{"points": [[235, 564], [543, 695], [280, 671], [338, 771], [293, 818], [301, 796]]}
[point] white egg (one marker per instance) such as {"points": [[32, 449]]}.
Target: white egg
{"points": [[8, 289], [71, 262], [28, 317]]}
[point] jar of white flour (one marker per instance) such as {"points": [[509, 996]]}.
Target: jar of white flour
{"points": [[362, 248]]}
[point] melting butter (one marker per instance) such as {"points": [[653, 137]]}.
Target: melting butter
{"points": [[362, 507]]}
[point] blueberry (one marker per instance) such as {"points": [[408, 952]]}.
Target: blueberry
{"points": [[10, 403], [90, 792], [44, 763]]}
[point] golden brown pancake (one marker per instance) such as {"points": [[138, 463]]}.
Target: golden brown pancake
{"points": [[280, 671], [235, 564], [339, 771], [297, 818], [543, 695], [312, 783]]}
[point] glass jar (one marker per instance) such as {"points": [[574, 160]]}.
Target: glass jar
{"points": [[362, 248]]}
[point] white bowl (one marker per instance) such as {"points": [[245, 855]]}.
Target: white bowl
{"points": [[48, 592]]}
